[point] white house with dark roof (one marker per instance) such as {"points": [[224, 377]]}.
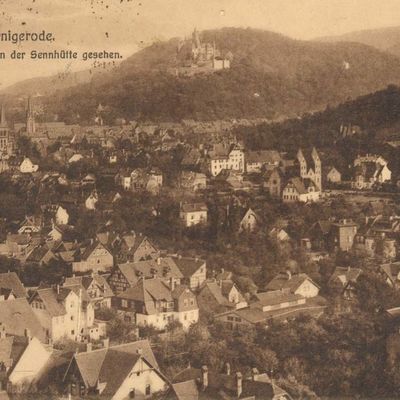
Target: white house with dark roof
{"points": [[93, 256], [193, 214], [117, 373], [302, 190], [226, 157], [63, 312], [299, 284], [128, 274], [257, 160], [153, 303], [96, 287]]}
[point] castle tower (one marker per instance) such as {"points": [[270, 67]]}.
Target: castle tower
{"points": [[30, 118]]}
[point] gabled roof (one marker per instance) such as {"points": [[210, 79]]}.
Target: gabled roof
{"points": [[391, 270], [52, 300], [87, 252], [216, 292], [188, 266], [162, 267], [99, 366], [86, 280], [17, 316], [148, 291], [10, 280], [282, 281]]}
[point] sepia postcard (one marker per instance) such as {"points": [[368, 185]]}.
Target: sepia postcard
{"points": [[199, 199]]}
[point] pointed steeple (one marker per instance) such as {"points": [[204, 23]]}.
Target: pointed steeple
{"points": [[30, 118]]}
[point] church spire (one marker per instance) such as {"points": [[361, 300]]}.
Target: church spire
{"points": [[30, 118]]}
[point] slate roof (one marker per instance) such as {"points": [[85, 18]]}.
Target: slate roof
{"points": [[100, 365], [10, 280], [188, 266], [148, 291], [391, 270], [187, 390], [165, 267], [216, 292], [86, 280], [52, 300], [17, 315]]}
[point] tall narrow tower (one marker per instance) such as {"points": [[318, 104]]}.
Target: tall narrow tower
{"points": [[30, 118], [4, 131]]}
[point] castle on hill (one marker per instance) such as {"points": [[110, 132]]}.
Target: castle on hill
{"points": [[204, 57]]}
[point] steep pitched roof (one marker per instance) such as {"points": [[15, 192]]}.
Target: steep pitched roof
{"points": [[148, 291], [10, 280], [188, 266], [216, 292], [17, 316], [86, 280], [52, 300], [99, 366]]}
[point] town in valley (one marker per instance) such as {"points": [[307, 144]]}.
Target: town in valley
{"points": [[223, 258]]}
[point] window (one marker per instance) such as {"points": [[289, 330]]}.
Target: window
{"points": [[124, 303], [148, 390]]}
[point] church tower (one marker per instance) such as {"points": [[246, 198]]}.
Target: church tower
{"points": [[4, 131], [30, 119]]}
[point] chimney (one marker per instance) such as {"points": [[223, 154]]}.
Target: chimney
{"points": [[254, 374], [172, 284], [204, 377], [239, 387], [89, 347], [106, 342], [158, 260], [2, 331], [58, 289], [227, 368], [27, 334], [289, 274]]}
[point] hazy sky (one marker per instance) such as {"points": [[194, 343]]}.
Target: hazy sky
{"points": [[126, 25]]}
